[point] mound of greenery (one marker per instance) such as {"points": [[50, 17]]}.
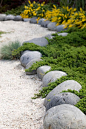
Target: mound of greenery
{"points": [[16, 11], [6, 50], [66, 54]]}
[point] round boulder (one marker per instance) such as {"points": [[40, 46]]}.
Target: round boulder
{"points": [[63, 98], [26, 51], [2, 17], [49, 36], [26, 19], [45, 23], [52, 26], [63, 34], [52, 76], [42, 70], [28, 56], [30, 64], [69, 84], [60, 28], [38, 41], [33, 20], [64, 116], [9, 17], [18, 18], [40, 21]]}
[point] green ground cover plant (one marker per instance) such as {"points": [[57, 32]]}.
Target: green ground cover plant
{"points": [[6, 50], [1, 32], [66, 54]]}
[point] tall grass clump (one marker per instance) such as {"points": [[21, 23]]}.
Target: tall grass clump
{"points": [[6, 50]]}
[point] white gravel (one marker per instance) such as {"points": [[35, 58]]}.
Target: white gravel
{"points": [[17, 109]]}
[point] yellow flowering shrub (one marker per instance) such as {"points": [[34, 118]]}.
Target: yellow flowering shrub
{"points": [[78, 19], [33, 9], [69, 17], [60, 16]]}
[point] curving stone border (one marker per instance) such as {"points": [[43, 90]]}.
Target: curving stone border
{"points": [[43, 22], [67, 113]]}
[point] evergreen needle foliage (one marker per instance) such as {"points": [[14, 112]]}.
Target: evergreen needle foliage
{"points": [[6, 50], [66, 54]]}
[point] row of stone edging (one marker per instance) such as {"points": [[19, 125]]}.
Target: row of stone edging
{"points": [[55, 99], [61, 112], [47, 24], [58, 105]]}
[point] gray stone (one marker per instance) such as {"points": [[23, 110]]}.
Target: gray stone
{"points": [[52, 76], [42, 70], [52, 26], [45, 23], [31, 72], [49, 36], [28, 56], [26, 51], [64, 116], [2, 17], [18, 18], [9, 17], [63, 34], [30, 64], [69, 84], [26, 19], [40, 21], [38, 41], [63, 98], [42, 41], [60, 28], [33, 20]]}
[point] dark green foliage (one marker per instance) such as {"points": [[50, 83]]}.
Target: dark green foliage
{"points": [[11, 4], [82, 105], [73, 3], [6, 50], [16, 11], [66, 54], [80, 4]]}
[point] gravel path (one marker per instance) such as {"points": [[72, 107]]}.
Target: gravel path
{"points": [[17, 109]]}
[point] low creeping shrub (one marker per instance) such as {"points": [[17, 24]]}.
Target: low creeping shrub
{"points": [[66, 54]]}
